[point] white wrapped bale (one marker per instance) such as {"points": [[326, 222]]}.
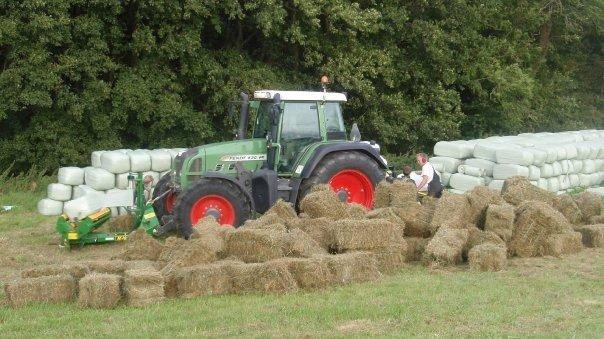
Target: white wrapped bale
{"points": [[59, 192], [539, 156], [597, 190], [551, 153], [140, 161], [564, 182], [448, 164], [160, 161], [121, 181], [594, 150], [81, 190], [50, 207], [472, 171], [574, 180], [546, 171], [445, 177], [564, 166], [505, 171], [176, 151], [553, 185], [589, 166], [487, 150], [115, 162], [99, 179], [571, 151], [542, 183], [124, 150], [438, 167], [496, 184], [594, 179], [534, 173], [456, 191], [95, 158], [465, 182], [84, 205], [583, 151], [584, 180], [114, 212], [454, 149], [517, 156], [557, 168], [486, 165], [71, 176]]}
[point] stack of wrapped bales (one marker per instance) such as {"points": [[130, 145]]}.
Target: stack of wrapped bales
{"points": [[557, 162], [108, 174]]}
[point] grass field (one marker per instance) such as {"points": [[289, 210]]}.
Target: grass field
{"points": [[540, 296]]}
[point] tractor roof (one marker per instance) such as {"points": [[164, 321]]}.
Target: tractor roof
{"points": [[300, 95]]}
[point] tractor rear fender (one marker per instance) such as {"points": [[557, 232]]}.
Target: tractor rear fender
{"points": [[242, 182], [323, 150]]}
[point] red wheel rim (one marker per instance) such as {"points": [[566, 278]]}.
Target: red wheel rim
{"points": [[169, 200], [354, 185], [216, 206]]}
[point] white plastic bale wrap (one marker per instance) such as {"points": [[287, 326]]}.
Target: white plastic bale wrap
{"points": [[542, 183], [583, 150], [564, 166], [160, 161], [438, 167], [95, 158], [505, 171], [584, 180], [597, 190], [487, 150], [81, 190], [557, 168], [539, 156], [115, 162], [456, 191], [121, 181], [496, 184], [553, 185], [564, 182], [571, 151], [551, 153], [486, 165], [140, 161], [589, 166], [534, 173], [71, 176], [517, 156], [50, 207], [574, 180], [448, 164], [561, 152], [84, 205], [465, 182], [124, 150], [472, 171], [454, 149], [594, 150], [99, 179], [59, 192], [445, 177], [546, 171]]}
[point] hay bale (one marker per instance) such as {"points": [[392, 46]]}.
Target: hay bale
{"points": [[428, 207], [477, 237], [320, 188], [452, 211], [535, 222], [121, 223], [487, 257], [391, 258], [253, 246], [211, 279], [194, 252], [143, 287], [355, 211], [172, 247], [309, 273], [106, 266], [49, 289], [589, 203], [284, 210], [499, 219], [352, 267], [138, 264], [76, 270], [518, 189], [299, 244], [403, 194], [565, 204], [268, 221], [415, 248], [212, 233], [370, 234], [267, 277], [319, 229], [446, 247], [387, 213], [596, 219], [382, 195], [565, 243], [141, 246], [417, 220], [479, 198], [323, 204], [592, 235], [99, 290]]}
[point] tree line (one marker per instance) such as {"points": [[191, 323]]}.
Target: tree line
{"points": [[83, 75]]}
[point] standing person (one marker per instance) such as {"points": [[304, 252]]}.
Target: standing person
{"points": [[430, 179]]}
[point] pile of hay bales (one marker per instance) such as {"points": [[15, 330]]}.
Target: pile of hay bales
{"points": [[328, 243]]}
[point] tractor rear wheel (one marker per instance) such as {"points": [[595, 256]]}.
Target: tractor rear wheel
{"points": [[164, 205], [211, 197], [352, 175]]}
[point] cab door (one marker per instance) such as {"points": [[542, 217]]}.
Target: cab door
{"points": [[300, 127]]}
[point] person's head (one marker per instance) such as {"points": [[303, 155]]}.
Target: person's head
{"points": [[422, 158], [407, 170]]}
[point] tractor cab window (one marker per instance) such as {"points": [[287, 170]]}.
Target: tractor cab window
{"points": [[334, 123], [300, 127], [263, 124]]}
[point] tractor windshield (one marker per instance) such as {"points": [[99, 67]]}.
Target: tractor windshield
{"points": [[263, 124]]}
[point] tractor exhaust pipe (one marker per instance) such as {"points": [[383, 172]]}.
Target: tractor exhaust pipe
{"points": [[244, 119]]}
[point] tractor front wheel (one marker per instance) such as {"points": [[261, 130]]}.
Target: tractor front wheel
{"points": [[164, 205], [211, 197], [352, 175]]}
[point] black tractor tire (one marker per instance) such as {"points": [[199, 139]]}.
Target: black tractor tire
{"points": [[204, 192], [336, 162], [160, 205]]}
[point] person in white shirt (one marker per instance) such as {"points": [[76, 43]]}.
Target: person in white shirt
{"points": [[430, 180]]}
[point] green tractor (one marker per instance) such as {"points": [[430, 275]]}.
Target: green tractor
{"points": [[298, 140]]}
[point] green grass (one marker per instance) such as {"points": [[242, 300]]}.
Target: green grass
{"points": [[543, 297]]}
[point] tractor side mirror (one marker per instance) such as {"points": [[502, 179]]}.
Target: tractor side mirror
{"points": [[355, 134]]}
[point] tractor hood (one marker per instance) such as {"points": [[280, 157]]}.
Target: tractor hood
{"points": [[219, 157]]}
